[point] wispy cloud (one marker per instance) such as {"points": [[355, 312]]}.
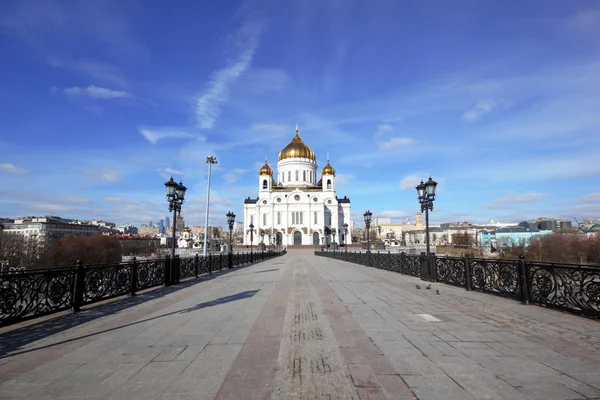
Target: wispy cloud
{"points": [[235, 175], [153, 135], [342, 179], [269, 128], [168, 172], [482, 108], [12, 169], [93, 92], [102, 71], [208, 104], [104, 175], [410, 182], [514, 198], [396, 143], [591, 198]]}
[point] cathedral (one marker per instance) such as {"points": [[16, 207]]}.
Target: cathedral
{"points": [[297, 209]]}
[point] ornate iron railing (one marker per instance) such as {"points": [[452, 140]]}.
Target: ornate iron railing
{"points": [[29, 294], [573, 288]]}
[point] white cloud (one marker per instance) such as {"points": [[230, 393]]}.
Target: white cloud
{"points": [[269, 128], [385, 128], [514, 198], [395, 143], [93, 91], [104, 175], [482, 108], [12, 169], [409, 182], [392, 214], [235, 175], [342, 179], [48, 207], [208, 103], [153, 135]]}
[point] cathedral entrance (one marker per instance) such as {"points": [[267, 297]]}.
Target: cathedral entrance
{"points": [[316, 238], [297, 238]]}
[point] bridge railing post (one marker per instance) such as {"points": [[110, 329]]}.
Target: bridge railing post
{"points": [[134, 276], [79, 286], [523, 279]]}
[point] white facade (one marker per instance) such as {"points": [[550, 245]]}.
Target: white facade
{"points": [[300, 205]]}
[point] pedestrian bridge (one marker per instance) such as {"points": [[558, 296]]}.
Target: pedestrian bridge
{"points": [[303, 327]]}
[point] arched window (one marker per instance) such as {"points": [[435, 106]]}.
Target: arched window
{"points": [[265, 184], [328, 183], [304, 176], [316, 218], [289, 176], [278, 217], [264, 219], [293, 218], [296, 176]]}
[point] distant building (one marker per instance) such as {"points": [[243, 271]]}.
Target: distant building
{"points": [[508, 237], [49, 229], [149, 230], [179, 224]]}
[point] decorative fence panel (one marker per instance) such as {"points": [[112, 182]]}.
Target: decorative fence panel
{"points": [[567, 287], [29, 294], [103, 282]]}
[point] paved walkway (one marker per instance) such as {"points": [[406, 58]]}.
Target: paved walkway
{"points": [[304, 327]]}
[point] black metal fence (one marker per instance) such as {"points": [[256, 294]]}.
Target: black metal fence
{"points": [[29, 294], [568, 287]]}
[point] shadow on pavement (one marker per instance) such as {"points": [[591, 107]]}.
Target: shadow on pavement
{"points": [[15, 339], [238, 296]]}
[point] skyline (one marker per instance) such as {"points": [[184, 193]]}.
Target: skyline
{"points": [[104, 101]]}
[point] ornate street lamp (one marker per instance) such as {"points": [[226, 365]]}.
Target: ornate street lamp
{"points": [[175, 197], [368, 216], [230, 222], [426, 196], [251, 239], [346, 237]]}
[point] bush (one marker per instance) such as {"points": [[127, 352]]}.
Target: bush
{"points": [[559, 247]]}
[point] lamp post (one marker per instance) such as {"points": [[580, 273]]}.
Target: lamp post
{"points": [[379, 231], [368, 216], [426, 196], [251, 239], [230, 222], [210, 160], [346, 237], [333, 244], [175, 197]]}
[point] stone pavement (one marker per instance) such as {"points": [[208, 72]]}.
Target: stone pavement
{"points": [[304, 327]]}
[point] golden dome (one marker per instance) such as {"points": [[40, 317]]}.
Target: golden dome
{"points": [[187, 229], [297, 149], [328, 169], [265, 170]]}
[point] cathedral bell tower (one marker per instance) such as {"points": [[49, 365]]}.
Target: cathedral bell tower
{"points": [[265, 179], [328, 177]]}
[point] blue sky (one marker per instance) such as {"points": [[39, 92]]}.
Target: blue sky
{"points": [[498, 101]]}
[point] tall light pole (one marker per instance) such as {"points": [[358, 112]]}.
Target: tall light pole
{"points": [[210, 160], [230, 222], [251, 226], [426, 195], [175, 197], [346, 237], [368, 216], [333, 230]]}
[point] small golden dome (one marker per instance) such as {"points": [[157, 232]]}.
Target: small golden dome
{"points": [[265, 170], [328, 169], [297, 149], [187, 229]]}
